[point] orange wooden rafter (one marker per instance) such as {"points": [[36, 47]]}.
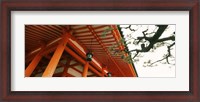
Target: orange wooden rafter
{"points": [[78, 58], [100, 42], [56, 57], [52, 48], [89, 35], [88, 32], [80, 28], [30, 58], [52, 30], [73, 67], [107, 38], [49, 32], [31, 67], [84, 27], [45, 52], [117, 38], [59, 63], [132, 71], [49, 57], [101, 26], [85, 35], [83, 54], [48, 48], [110, 41], [34, 29], [76, 70]]}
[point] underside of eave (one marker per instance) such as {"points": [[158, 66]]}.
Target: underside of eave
{"points": [[89, 36]]}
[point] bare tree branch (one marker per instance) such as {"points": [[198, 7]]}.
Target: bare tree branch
{"points": [[147, 42], [129, 27], [167, 56], [152, 39], [167, 38]]}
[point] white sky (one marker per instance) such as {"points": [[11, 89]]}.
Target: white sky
{"points": [[161, 70]]}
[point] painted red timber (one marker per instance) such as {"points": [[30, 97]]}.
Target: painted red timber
{"points": [[56, 57]]}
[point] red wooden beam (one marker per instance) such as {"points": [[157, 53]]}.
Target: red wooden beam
{"points": [[76, 70], [89, 31], [85, 69], [73, 43], [31, 67], [69, 75], [117, 37], [56, 57], [59, 63], [52, 48], [84, 27], [110, 41], [101, 26], [81, 28], [30, 58], [106, 38], [81, 38], [105, 49], [85, 35], [78, 58], [48, 31], [48, 47]]}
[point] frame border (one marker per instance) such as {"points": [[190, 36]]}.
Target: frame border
{"points": [[104, 5]]}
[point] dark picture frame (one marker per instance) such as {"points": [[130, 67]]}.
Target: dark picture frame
{"points": [[193, 95]]}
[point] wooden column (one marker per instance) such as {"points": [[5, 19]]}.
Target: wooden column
{"points": [[85, 70], [31, 67], [56, 57]]}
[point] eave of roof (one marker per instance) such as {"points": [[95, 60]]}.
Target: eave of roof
{"points": [[89, 36]]}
